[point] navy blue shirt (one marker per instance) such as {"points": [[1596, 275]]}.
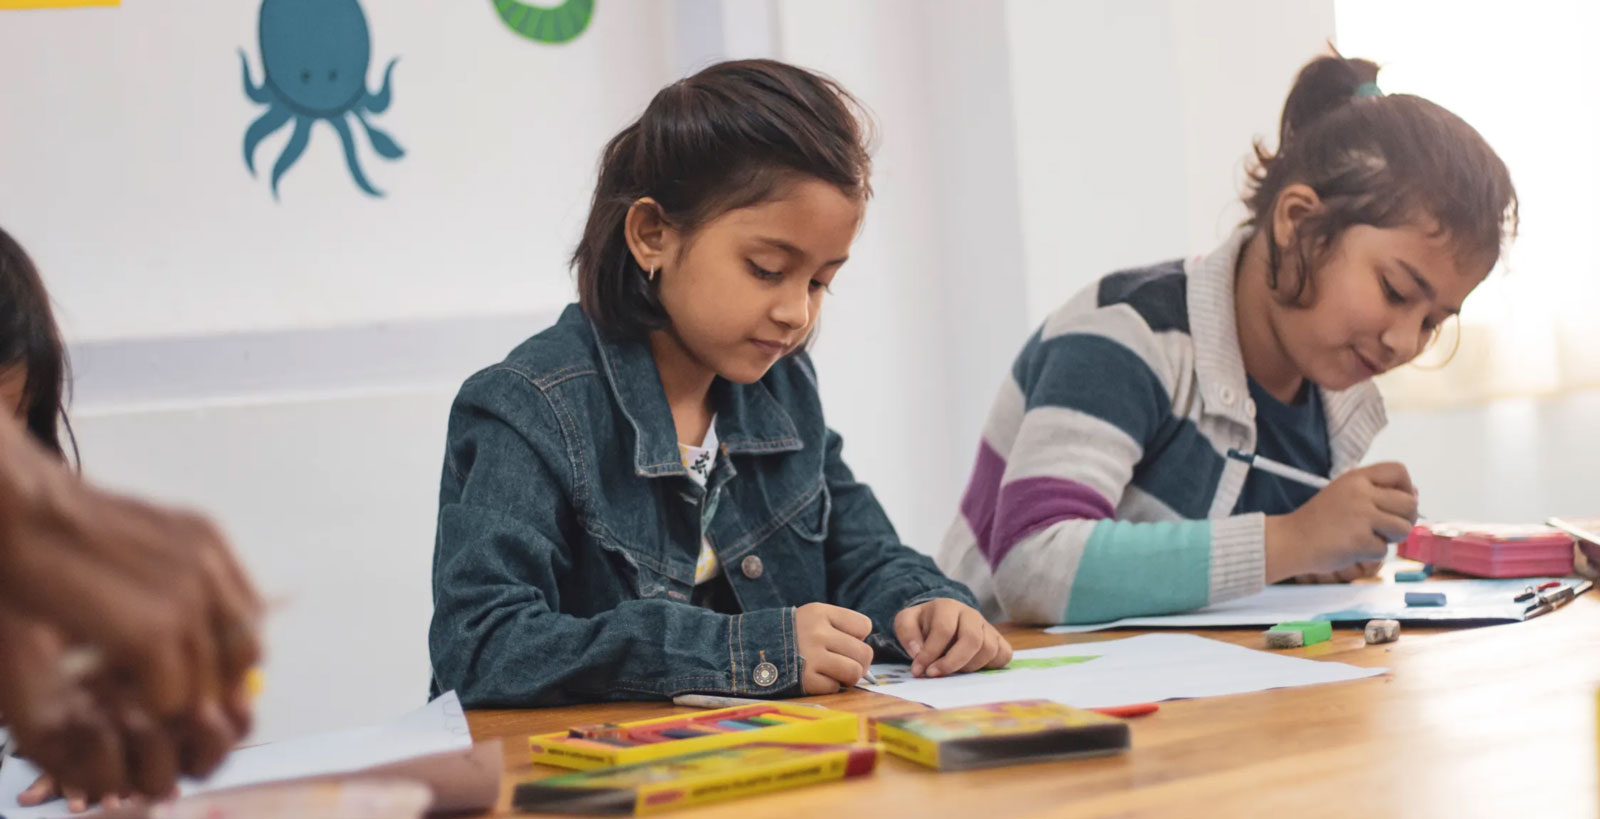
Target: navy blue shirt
{"points": [[1296, 434]]}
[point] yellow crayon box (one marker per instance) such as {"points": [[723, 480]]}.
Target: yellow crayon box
{"points": [[694, 779], [599, 746]]}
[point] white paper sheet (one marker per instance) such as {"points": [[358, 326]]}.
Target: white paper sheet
{"points": [[1483, 601], [1147, 668], [438, 727]]}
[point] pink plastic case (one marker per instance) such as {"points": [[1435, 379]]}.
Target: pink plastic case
{"points": [[1491, 549]]}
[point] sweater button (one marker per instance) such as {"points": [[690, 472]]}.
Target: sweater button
{"points": [[751, 566]]}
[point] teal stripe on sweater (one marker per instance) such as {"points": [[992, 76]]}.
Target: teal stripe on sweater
{"points": [[1168, 563]]}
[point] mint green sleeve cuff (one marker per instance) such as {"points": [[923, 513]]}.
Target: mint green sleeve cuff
{"points": [[1137, 569]]}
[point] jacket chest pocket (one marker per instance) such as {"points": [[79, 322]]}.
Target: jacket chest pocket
{"points": [[810, 523]]}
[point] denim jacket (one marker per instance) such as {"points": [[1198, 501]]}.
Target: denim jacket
{"points": [[568, 531]]}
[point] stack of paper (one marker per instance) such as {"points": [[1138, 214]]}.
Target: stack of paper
{"points": [[1467, 601], [1148, 668]]}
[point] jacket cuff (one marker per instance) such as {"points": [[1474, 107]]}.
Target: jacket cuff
{"points": [[764, 654]]}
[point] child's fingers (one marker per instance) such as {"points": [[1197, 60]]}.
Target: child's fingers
{"points": [[908, 630], [1391, 474], [853, 623], [1398, 502], [939, 633], [1392, 529], [991, 646], [77, 802], [42, 790], [206, 736], [1357, 571], [815, 682], [969, 640], [152, 755], [1002, 658], [844, 670], [848, 646]]}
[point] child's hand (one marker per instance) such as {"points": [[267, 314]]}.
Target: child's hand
{"points": [[1355, 572], [100, 748], [44, 790], [833, 642], [945, 636], [1591, 553], [1353, 519]]}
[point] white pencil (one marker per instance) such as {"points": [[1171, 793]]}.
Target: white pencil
{"points": [[1288, 472], [1282, 470]]}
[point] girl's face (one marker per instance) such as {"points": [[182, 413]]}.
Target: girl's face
{"points": [[745, 288], [1376, 301], [13, 380]]}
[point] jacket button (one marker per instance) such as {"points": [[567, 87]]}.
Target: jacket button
{"points": [[765, 674], [751, 566], [1226, 394]]}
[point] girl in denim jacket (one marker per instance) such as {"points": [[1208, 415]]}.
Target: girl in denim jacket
{"points": [[644, 500]]}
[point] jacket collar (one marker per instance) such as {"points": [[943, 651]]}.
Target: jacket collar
{"points": [[749, 419]]}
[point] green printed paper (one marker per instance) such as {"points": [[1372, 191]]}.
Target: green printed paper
{"points": [[1038, 663]]}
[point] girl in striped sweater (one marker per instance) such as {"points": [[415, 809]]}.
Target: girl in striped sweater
{"points": [[1102, 488]]}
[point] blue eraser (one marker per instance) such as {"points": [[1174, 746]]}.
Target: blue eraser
{"points": [[1424, 599], [1415, 577]]}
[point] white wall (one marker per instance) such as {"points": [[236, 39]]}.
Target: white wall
{"points": [[928, 313], [1511, 461], [319, 453], [331, 504], [124, 174], [1134, 119]]}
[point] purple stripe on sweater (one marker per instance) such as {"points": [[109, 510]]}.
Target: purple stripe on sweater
{"points": [[977, 505], [1025, 506]]}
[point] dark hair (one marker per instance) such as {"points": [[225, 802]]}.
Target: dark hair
{"points": [[728, 137], [1380, 160], [29, 338]]}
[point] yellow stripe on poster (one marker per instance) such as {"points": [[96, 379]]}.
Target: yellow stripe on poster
{"points": [[54, 4]]}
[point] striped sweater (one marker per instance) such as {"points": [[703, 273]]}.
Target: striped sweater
{"points": [[1101, 488]]}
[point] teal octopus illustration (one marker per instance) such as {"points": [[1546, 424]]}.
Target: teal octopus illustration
{"points": [[315, 54], [546, 24]]}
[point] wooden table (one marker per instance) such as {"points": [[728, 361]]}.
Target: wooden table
{"points": [[1493, 722]]}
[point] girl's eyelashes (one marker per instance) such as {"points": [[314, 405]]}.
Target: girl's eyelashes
{"points": [[777, 275], [1390, 294], [762, 273], [1395, 297]]}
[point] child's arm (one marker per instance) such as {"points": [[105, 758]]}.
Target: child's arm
{"points": [[499, 637], [869, 569], [1090, 403]]}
